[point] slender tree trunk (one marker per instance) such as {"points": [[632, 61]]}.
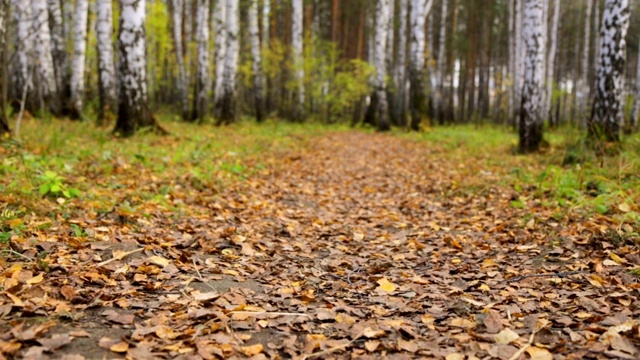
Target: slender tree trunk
{"points": [[220, 24], [401, 63], [4, 48], [133, 111], [607, 113], [551, 57], [23, 46], [201, 91], [45, 80], [383, 8], [635, 110], [106, 67], [519, 61], [181, 82], [79, 54], [225, 107], [258, 76], [582, 87], [441, 63], [416, 61], [266, 22], [298, 60], [512, 57], [59, 51], [531, 120]]}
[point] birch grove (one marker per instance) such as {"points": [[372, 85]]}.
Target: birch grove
{"points": [[606, 116], [79, 53]]}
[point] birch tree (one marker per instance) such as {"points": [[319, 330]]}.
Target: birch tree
{"points": [[20, 69], [419, 10], [551, 56], [59, 50], [201, 91], [266, 26], [401, 64], [4, 48], [79, 55], [635, 109], [298, 61], [379, 98], [220, 25], [531, 119], [258, 76], [606, 115], [519, 62], [441, 64], [45, 82], [133, 111], [582, 85], [225, 105], [177, 7], [106, 67]]}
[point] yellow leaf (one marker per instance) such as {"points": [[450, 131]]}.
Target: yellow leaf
{"points": [[539, 354], [372, 334], [357, 236], [617, 258], [345, 319], [159, 260], [484, 288], [386, 285], [252, 349], [505, 336], [455, 356], [624, 207], [456, 261], [119, 347], [36, 279]]}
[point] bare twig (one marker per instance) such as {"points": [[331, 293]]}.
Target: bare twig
{"points": [[13, 252], [22, 104], [555, 274], [330, 350], [268, 313], [525, 347]]}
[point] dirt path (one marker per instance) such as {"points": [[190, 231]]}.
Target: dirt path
{"points": [[357, 245]]}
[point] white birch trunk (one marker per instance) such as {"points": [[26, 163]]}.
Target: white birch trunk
{"points": [[59, 48], [220, 25], [298, 60], [551, 57], [531, 120], [181, 81], [401, 63], [20, 67], [441, 63], [519, 59], [4, 48], [266, 16], [416, 60], [258, 77], [133, 112], [225, 107], [45, 79], [202, 74], [582, 86], [383, 8], [79, 55], [512, 56], [106, 66], [606, 116]]}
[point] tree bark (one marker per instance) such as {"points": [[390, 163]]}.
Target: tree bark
{"points": [[79, 55], [226, 104], [531, 120], [606, 115], [220, 50], [551, 58], [45, 81], [4, 48], [583, 87], [419, 10], [256, 55], [298, 60], [380, 105], [400, 108], [635, 110], [133, 111], [106, 67], [59, 51], [201, 91], [441, 64], [181, 82]]}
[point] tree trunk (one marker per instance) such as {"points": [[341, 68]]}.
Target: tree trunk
{"points": [[583, 86], [258, 76], [79, 54], [298, 60], [380, 106], [4, 48], [401, 63], [551, 58], [106, 67], [45, 81], [181, 82], [226, 104], [21, 66], [133, 111], [266, 22], [201, 91], [606, 115], [531, 121], [519, 61], [59, 51], [416, 62], [441, 64], [635, 110], [220, 25]]}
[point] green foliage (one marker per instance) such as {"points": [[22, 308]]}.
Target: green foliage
{"points": [[53, 184]]}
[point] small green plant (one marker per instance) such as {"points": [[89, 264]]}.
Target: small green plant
{"points": [[54, 185]]}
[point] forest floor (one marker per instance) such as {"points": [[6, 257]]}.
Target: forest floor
{"points": [[307, 242]]}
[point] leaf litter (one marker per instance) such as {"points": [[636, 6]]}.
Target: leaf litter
{"points": [[351, 246]]}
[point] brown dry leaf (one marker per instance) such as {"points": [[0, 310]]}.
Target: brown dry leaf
{"points": [[455, 356], [165, 332], [119, 347], [159, 260], [493, 322], [373, 333], [345, 319], [56, 341], [371, 345], [409, 346], [506, 336], [537, 353], [252, 349]]}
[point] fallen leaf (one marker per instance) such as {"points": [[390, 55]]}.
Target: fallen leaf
{"points": [[506, 336], [386, 286]]}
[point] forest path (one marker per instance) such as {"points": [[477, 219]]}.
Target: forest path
{"points": [[352, 245]]}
